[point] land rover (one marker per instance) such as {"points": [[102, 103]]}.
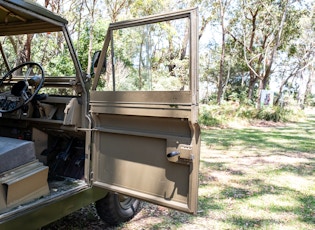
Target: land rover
{"points": [[123, 132]]}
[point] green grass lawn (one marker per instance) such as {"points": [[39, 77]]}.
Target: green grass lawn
{"points": [[259, 178]]}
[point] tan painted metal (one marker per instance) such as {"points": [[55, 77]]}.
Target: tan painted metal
{"points": [[138, 133]]}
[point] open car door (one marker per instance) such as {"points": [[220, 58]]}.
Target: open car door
{"points": [[146, 139]]}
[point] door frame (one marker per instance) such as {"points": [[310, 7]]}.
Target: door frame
{"points": [[176, 107]]}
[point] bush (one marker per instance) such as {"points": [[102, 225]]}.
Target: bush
{"points": [[214, 115], [270, 114], [206, 116], [279, 114], [310, 100]]}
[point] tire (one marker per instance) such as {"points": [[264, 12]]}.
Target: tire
{"points": [[115, 209]]}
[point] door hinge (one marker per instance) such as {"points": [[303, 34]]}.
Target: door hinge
{"points": [[91, 177]]}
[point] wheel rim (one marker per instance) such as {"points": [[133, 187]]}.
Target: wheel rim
{"points": [[125, 202]]}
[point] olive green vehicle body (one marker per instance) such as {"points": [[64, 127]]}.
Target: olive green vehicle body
{"points": [[142, 144]]}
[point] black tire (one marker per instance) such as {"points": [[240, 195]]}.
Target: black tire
{"points": [[115, 209]]}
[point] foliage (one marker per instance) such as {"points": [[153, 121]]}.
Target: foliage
{"points": [[47, 49], [99, 32], [150, 57], [228, 112], [243, 48], [207, 118], [266, 45], [218, 115], [275, 114], [261, 39], [311, 100]]}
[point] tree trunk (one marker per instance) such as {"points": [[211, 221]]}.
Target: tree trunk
{"points": [[251, 85], [222, 58], [27, 47], [91, 36], [309, 85]]}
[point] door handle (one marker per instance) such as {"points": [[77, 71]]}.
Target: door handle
{"points": [[173, 154]]}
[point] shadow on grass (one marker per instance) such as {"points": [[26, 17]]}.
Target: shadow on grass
{"points": [[250, 223], [171, 219], [208, 204], [218, 166], [177, 218], [230, 137], [285, 139], [297, 137], [221, 166], [301, 169], [290, 142], [308, 125], [257, 188], [251, 188], [306, 210]]}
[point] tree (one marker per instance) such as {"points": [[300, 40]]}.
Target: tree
{"points": [[249, 43], [116, 8], [263, 30], [223, 77], [299, 58], [91, 6]]}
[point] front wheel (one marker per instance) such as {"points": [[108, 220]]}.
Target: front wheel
{"points": [[115, 209]]}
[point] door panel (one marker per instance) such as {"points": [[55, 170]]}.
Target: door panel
{"points": [[146, 144]]}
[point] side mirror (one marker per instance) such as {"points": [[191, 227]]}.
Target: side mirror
{"points": [[95, 59]]}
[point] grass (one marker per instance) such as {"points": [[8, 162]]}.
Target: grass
{"points": [[263, 178], [228, 111], [250, 178]]}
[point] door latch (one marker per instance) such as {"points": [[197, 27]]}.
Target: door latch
{"points": [[183, 154]]}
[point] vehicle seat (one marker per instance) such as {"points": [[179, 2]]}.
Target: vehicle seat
{"points": [[15, 152]]}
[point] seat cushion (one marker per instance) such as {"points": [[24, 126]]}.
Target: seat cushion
{"points": [[15, 152]]}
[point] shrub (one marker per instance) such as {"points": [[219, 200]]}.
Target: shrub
{"points": [[214, 115], [279, 114], [206, 116]]}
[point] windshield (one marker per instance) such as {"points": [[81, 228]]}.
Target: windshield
{"points": [[47, 49]]}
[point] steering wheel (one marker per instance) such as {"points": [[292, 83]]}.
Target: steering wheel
{"points": [[23, 91]]}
